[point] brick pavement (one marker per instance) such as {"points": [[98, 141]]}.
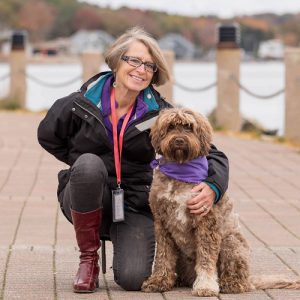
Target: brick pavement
{"points": [[38, 255]]}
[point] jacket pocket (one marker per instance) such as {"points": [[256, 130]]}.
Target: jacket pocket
{"points": [[137, 197], [137, 188]]}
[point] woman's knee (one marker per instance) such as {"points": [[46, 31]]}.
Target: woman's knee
{"points": [[90, 167]]}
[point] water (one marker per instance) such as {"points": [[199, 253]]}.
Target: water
{"points": [[261, 78]]}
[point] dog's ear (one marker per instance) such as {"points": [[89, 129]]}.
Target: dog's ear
{"points": [[156, 132], [155, 137], [204, 132]]}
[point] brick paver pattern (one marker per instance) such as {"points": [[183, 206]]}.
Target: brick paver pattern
{"points": [[38, 252]]}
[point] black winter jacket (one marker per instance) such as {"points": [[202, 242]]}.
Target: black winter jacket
{"points": [[74, 125]]}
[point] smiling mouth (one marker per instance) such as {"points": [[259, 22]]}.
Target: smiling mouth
{"points": [[137, 78]]}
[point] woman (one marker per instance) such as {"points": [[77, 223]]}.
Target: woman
{"points": [[102, 133]]}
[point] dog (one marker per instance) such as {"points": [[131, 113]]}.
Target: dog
{"points": [[206, 253]]}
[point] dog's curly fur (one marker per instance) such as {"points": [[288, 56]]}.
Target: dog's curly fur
{"points": [[208, 253]]}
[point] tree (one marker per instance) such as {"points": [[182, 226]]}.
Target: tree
{"points": [[63, 24], [205, 32], [87, 17], [9, 12], [290, 30], [251, 38], [37, 17]]}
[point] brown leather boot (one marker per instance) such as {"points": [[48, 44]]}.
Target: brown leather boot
{"points": [[86, 227]]}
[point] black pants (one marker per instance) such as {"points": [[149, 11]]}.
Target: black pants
{"points": [[133, 240]]}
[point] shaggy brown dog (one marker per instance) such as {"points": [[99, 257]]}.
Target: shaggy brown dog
{"points": [[208, 253]]}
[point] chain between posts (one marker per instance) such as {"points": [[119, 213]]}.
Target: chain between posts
{"points": [[195, 90], [234, 79], [53, 85], [246, 90], [176, 83]]}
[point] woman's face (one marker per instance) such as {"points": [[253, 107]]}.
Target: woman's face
{"points": [[133, 78]]}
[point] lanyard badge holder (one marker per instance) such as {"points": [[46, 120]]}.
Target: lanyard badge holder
{"points": [[118, 194], [118, 205]]}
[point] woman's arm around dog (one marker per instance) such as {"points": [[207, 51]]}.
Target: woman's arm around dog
{"points": [[218, 175]]}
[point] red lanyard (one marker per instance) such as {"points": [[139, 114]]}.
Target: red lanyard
{"points": [[118, 144]]}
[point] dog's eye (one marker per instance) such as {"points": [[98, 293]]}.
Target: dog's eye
{"points": [[171, 126], [187, 127]]}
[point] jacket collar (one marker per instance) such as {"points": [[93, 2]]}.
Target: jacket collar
{"points": [[93, 91]]}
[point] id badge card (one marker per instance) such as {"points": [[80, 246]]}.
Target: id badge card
{"points": [[118, 205]]}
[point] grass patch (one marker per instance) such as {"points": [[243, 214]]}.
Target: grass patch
{"points": [[10, 104]]}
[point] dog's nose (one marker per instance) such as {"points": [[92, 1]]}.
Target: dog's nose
{"points": [[179, 141]]}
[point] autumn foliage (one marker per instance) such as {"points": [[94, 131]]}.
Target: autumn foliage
{"points": [[48, 19]]}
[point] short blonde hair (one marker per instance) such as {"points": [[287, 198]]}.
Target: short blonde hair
{"points": [[121, 45]]}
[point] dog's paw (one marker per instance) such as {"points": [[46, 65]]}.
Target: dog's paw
{"points": [[156, 284], [235, 287], [204, 293], [205, 286]]}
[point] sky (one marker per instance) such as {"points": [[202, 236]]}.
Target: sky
{"points": [[222, 8]]}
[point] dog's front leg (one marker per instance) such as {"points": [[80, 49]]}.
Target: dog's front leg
{"points": [[233, 264], [208, 242], [163, 277]]}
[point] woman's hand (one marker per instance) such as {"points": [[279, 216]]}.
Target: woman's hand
{"points": [[203, 202]]}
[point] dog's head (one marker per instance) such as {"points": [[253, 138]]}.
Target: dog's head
{"points": [[180, 134]]}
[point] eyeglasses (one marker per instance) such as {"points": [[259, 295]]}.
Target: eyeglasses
{"points": [[136, 62]]}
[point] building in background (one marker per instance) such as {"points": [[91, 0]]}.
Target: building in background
{"points": [[60, 46], [90, 40], [271, 49], [5, 42], [182, 48]]}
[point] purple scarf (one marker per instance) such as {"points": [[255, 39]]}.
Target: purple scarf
{"points": [[193, 171]]}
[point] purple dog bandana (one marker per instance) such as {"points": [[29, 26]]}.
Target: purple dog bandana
{"points": [[193, 171]]}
